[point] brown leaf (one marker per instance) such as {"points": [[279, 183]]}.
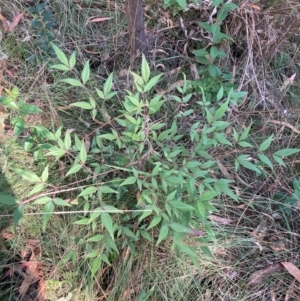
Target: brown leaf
{"points": [[41, 290], [292, 269], [4, 23], [221, 220], [94, 20], [15, 22], [255, 7], [258, 276]]}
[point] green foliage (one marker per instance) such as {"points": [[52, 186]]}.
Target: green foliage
{"points": [[43, 25], [210, 56], [142, 171]]}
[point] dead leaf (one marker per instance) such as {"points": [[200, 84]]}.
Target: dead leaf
{"points": [[292, 269], [41, 290], [255, 7], [15, 22], [258, 276], [4, 23], [95, 20], [123, 73], [288, 81], [194, 71], [221, 220], [106, 57]]}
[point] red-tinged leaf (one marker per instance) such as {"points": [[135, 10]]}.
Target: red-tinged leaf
{"points": [[196, 232], [15, 22]]}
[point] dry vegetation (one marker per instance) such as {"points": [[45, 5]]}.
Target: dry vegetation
{"points": [[258, 234]]}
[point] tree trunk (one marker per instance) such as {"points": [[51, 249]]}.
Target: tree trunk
{"points": [[136, 28]]}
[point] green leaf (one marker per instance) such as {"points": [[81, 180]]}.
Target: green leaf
{"points": [[213, 70], [220, 137], [129, 233], [245, 144], [60, 202], [207, 251], [60, 55], [17, 215], [146, 213], [152, 82], [180, 228], [56, 151], [223, 11], [100, 93], [221, 111], [107, 223], [145, 70], [41, 201], [201, 52], [85, 74], [249, 165], [7, 101], [107, 85], [138, 79], [82, 153], [45, 174], [129, 181], [67, 140], [26, 174], [265, 145], [245, 133], [134, 100], [72, 60], [96, 264], [163, 233], [109, 137], [47, 212], [155, 221], [279, 160], [60, 67], [187, 250], [87, 191], [37, 188], [182, 3], [74, 169], [207, 195], [220, 93], [19, 126], [181, 205], [191, 187], [83, 221], [131, 119], [201, 210], [72, 81], [111, 209], [209, 116], [171, 196], [82, 104], [107, 189], [286, 152], [96, 238], [7, 199], [263, 158], [92, 254], [42, 131], [30, 109], [235, 135]]}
